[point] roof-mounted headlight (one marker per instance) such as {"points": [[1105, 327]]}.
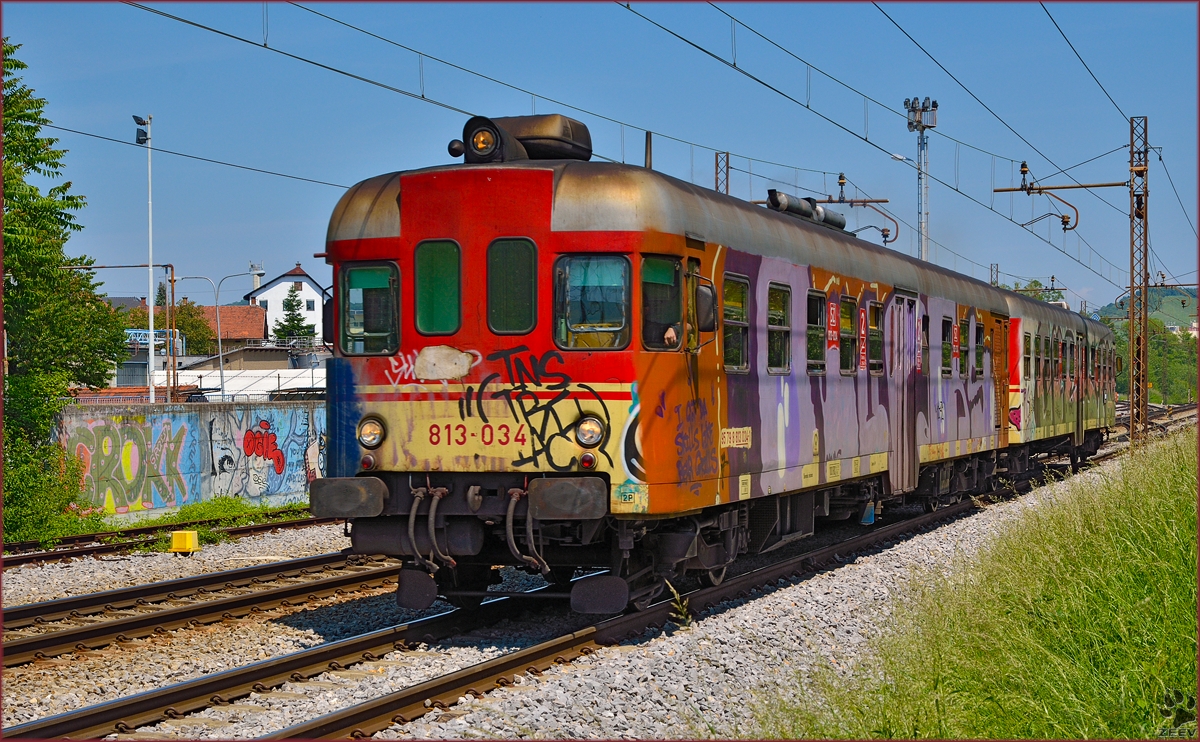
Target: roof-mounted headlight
{"points": [[483, 141]]}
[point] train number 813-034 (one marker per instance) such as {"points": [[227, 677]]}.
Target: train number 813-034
{"points": [[457, 435]]}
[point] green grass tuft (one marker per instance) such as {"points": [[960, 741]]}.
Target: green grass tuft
{"points": [[1078, 621]]}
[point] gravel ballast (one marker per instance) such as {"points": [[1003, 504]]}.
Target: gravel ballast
{"points": [[699, 681], [34, 583]]}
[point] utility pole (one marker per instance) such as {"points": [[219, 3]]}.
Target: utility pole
{"points": [[722, 172], [922, 115], [1139, 270], [1139, 279], [994, 274], [143, 137]]}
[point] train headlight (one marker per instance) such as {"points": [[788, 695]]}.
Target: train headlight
{"points": [[483, 142], [589, 432], [371, 432]]}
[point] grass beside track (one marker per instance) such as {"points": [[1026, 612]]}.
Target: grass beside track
{"points": [[225, 512], [1077, 621]]}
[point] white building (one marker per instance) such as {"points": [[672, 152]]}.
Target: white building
{"points": [[271, 294]]}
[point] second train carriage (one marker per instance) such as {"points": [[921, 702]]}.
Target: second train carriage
{"points": [[554, 363]]}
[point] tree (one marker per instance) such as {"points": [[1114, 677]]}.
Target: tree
{"points": [[160, 296], [190, 320], [293, 324], [59, 328], [1031, 290], [56, 321]]}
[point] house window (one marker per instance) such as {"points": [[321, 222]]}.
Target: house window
{"points": [[875, 339], [779, 329], [437, 287], [591, 302], [736, 327], [263, 303], [1028, 356], [662, 303], [947, 347], [512, 286], [815, 333], [311, 305], [848, 336], [298, 285]]}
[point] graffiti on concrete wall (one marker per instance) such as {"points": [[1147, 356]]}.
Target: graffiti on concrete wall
{"points": [[138, 459]]}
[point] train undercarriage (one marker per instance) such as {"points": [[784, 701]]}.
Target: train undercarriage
{"points": [[465, 525]]}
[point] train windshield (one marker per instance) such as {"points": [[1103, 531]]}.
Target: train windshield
{"points": [[591, 301], [370, 324]]}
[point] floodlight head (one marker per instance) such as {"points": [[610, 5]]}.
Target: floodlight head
{"points": [[139, 120], [142, 136]]}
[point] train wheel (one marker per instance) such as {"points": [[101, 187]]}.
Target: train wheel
{"points": [[931, 504], [713, 577], [464, 577]]}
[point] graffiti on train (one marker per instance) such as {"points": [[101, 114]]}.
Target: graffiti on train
{"points": [[537, 392], [181, 455]]}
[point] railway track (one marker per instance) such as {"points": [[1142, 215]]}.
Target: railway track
{"points": [[125, 715], [97, 620], [93, 544]]}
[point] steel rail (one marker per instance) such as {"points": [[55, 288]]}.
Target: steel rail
{"points": [[103, 633], [124, 715], [54, 555], [29, 614], [364, 719]]}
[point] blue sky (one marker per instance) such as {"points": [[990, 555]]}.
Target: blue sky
{"points": [[220, 98]]}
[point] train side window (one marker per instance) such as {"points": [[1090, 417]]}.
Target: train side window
{"points": [[735, 334], [437, 288], [370, 322], [662, 302], [964, 346], [815, 333], [1028, 357], [1070, 357], [848, 335], [947, 347], [591, 302], [925, 369], [1092, 362], [875, 339], [511, 286], [1037, 358], [978, 348], [779, 329]]}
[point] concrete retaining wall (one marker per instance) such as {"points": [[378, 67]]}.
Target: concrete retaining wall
{"points": [[140, 458]]}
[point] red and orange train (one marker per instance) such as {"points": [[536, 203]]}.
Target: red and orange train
{"points": [[554, 363]]}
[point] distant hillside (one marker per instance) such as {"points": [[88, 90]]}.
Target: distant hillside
{"points": [[1169, 306]]}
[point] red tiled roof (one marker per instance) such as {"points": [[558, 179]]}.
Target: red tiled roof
{"points": [[238, 322], [297, 271]]}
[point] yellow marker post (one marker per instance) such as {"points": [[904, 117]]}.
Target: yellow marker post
{"points": [[184, 542]]}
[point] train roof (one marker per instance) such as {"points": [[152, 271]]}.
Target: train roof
{"points": [[600, 196]]}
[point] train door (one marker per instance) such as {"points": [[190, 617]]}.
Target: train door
{"points": [[902, 459], [1000, 377]]}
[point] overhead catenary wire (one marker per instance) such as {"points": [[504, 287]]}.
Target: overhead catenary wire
{"points": [[548, 99], [1171, 180], [1085, 64], [847, 86], [159, 150], [760, 81], [987, 108]]}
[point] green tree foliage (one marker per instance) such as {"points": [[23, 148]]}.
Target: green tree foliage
{"points": [[293, 324], [1031, 290], [190, 320], [60, 330], [160, 295], [55, 319], [1172, 372]]}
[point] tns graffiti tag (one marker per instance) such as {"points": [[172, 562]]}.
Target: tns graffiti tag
{"points": [[524, 387], [695, 443]]}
